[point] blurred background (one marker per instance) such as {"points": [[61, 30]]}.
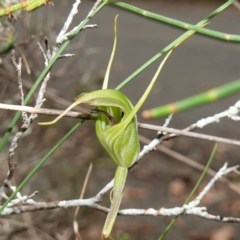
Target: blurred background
{"points": [[159, 180]]}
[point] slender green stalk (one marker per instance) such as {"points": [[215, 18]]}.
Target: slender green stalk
{"points": [[194, 101], [45, 71], [177, 23], [171, 45], [193, 191], [29, 176], [27, 5]]}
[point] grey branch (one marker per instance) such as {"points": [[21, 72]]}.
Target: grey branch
{"points": [[189, 134], [88, 116], [45, 111], [187, 209]]}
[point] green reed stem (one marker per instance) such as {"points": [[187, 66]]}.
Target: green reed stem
{"points": [[194, 101], [26, 5], [174, 22]]}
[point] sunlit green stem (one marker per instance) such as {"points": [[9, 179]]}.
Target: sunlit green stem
{"points": [[28, 5], [177, 23], [119, 182], [194, 101]]}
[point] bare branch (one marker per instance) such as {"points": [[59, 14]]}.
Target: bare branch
{"points": [[61, 36], [187, 209], [140, 125], [189, 134], [45, 111], [232, 112]]}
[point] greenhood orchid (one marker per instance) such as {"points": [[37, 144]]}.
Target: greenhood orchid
{"points": [[116, 130]]}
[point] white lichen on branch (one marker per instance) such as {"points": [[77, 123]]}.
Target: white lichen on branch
{"points": [[192, 208]]}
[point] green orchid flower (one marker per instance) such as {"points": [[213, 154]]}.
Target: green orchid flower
{"points": [[116, 130]]}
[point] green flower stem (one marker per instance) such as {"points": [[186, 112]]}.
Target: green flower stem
{"points": [[194, 101], [193, 191], [119, 183], [45, 71], [171, 45], [177, 23]]}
